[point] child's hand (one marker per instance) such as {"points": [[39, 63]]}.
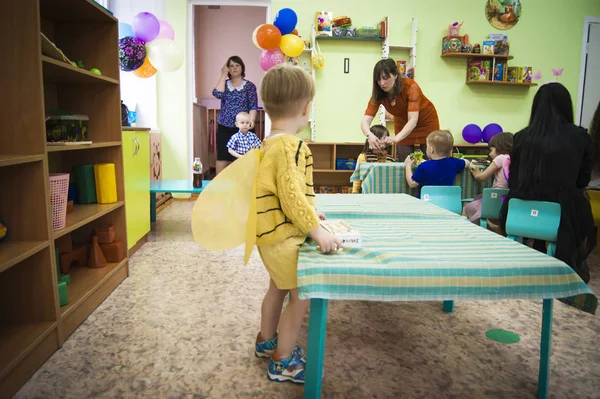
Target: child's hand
{"points": [[408, 162], [321, 215], [326, 241]]}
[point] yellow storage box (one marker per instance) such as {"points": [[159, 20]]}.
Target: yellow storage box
{"points": [[106, 183]]}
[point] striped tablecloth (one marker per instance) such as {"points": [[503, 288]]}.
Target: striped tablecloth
{"points": [[415, 251], [386, 178]]}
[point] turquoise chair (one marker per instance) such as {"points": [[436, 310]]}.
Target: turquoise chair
{"points": [[491, 202], [533, 219], [538, 220], [447, 197]]}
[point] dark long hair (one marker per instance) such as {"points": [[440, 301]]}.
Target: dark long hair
{"points": [[551, 110], [237, 60], [595, 133], [380, 132], [385, 67]]}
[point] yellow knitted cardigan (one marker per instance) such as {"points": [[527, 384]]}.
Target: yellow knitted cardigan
{"points": [[284, 190]]}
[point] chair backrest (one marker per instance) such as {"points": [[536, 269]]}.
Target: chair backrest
{"points": [[447, 197], [533, 219], [491, 202]]}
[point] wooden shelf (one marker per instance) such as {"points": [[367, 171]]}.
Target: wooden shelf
{"points": [[473, 55], [13, 252], [76, 11], [16, 341], [501, 83], [84, 214], [363, 39], [85, 281], [8, 160], [56, 71], [59, 148]]}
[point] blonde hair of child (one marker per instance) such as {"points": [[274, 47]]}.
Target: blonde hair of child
{"points": [[242, 115], [285, 89], [441, 141]]}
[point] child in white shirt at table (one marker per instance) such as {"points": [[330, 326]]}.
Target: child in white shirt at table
{"points": [[500, 147]]}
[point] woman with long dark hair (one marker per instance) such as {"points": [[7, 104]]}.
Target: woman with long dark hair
{"points": [[414, 115], [237, 95], [551, 161]]}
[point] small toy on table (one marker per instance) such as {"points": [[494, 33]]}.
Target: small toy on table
{"points": [[349, 236], [417, 158]]}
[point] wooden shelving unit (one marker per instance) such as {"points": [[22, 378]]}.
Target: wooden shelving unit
{"points": [[475, 55], [32, 324], [498, 82]]}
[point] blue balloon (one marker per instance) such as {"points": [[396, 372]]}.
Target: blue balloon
{"points": [[125, 30], [286, 20]]}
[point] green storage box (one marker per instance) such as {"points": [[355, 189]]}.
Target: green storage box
{"points": [[86, 184]]}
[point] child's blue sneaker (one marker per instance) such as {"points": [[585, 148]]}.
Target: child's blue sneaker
{"points": [[289, 369], [265, 348]]}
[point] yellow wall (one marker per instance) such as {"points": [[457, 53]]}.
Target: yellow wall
{"points": [[548, 35]]}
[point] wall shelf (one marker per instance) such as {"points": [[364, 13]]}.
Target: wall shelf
{"points": [[498, 82], [84, 214], [474, 55], [351, 38], [56, 71]]}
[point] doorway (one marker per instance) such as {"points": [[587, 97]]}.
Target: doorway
{"points": [[589, 78], [218, 30]]}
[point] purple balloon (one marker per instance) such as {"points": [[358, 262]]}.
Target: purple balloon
{"points": [[472, 133], [145, 26], [270, 58], [490, 131]]}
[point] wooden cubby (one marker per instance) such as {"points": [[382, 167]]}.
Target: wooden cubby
{"points": [[325, 172], [32, 324]]}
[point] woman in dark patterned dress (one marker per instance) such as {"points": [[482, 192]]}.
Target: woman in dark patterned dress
{"points": [[237, 95]]}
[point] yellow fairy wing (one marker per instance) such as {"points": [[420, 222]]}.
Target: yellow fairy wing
{"points": [[224, 214]]}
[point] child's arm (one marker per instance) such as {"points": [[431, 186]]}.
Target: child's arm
{"points": [[232, 152], [485, 175], [408, 172]]}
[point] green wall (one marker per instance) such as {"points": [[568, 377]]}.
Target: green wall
{"points": [[548, 36]]}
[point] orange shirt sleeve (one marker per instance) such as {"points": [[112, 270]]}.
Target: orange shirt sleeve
{"points": [[372, 109], [414, 98]]}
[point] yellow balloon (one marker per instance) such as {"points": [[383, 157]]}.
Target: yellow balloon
{"points": [[254, 37], [291, 45]]}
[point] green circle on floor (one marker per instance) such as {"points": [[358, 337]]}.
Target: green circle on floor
{"points": [[502, 336]]}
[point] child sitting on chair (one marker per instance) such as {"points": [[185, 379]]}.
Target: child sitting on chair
{"points": [[244, 140], [369, 155], [441, 168], [500, 147], [285, 217]]}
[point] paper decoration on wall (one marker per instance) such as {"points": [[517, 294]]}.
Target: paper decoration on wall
{"points": [[503, 14], [556, 72]]}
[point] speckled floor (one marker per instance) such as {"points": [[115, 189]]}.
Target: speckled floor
{"points": [[183, 326]]}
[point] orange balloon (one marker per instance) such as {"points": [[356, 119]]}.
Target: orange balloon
{"points": [[268, 37], [146, 70], [295, 32]]}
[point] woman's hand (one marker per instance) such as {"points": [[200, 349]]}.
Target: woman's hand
{"points": [[251, 124], [225, 70], [389, 140], [374, 142]]}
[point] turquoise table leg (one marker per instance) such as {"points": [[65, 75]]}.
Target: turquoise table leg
{"points": [[152, 207], [448, 306], [544, 377], [317, 326]]}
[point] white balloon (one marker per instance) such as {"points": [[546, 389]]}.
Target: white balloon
{"points": [[164, 55]]}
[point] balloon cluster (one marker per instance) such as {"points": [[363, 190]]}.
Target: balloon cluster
{"points": [[147, 45], [278, 40], [473, 133]]}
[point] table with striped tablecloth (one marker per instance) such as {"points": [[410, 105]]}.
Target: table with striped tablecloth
{"points": [[388, 178], [415, 251]]}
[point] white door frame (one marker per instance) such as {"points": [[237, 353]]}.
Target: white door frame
{"points": [[587, 21], [190, 55]]}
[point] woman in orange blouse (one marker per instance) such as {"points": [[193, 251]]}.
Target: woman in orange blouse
{"points": [[414, 115]]}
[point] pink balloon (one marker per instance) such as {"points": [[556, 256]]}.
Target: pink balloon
{"points": [[270, 58], [166, 31]]}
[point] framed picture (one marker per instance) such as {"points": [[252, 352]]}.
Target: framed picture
{"points": [[503, 14], [324, 22]]}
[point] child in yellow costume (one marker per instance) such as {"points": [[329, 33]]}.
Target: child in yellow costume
{"points": [[267, 198]]}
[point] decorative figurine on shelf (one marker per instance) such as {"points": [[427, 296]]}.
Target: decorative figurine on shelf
{"points": [[3, 231], [466, 44], [477, 48], [454, 29]]}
